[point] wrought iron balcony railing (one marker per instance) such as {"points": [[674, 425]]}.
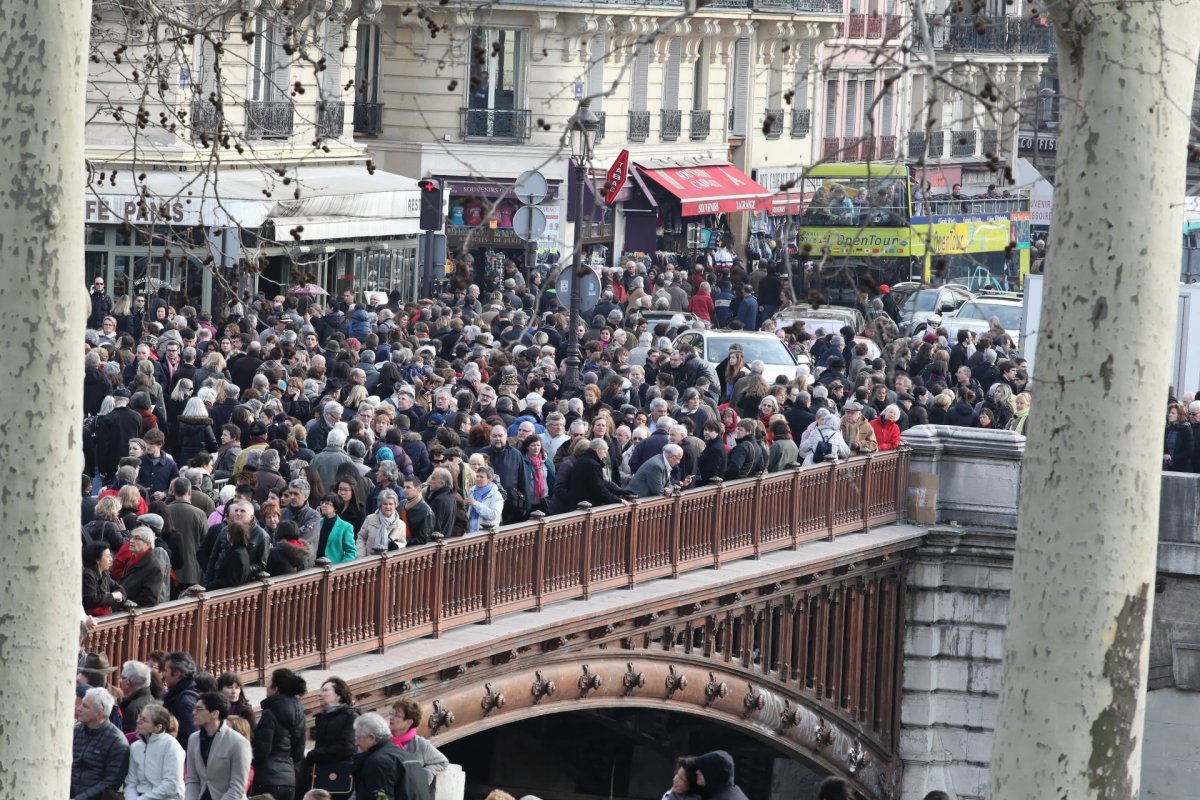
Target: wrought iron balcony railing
{"points": [[639, 126], [670, 124], [269, 119], [773, 123], [701, 125], [937, 144], [801, 122], [331, 119], [978, 33], [206, 118], [887, 148], [600, 115], [368, 118], [495, 125], [991, 142], [962, 143]]}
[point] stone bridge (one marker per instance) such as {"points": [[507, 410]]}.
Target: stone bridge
{"points": [[774, 605]]}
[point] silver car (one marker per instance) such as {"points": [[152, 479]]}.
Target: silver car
{"points": [[713, 347]]}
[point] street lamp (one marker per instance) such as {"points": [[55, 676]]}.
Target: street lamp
{"points": [[582, 127], [1043, 94]]}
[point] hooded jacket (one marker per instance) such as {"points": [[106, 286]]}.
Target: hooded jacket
{"points": [[717, 769]]}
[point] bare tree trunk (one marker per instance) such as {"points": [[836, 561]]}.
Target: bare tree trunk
{"points": [[1076, 652], [43, 58]]}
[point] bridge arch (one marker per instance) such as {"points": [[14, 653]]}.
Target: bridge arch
{"points": [[689, 684]]}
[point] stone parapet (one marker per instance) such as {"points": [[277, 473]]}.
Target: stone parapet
{"points": [[978, 473]]}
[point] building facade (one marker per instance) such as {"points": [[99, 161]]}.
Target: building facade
{"points": [[223, 139]]}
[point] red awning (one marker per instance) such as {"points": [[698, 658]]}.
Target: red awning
{"points": [[781, 204], [708, 188]]}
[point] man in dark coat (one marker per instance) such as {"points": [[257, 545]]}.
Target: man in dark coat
{"points": [[190, 527], [96, 386], [113, 432], [100, 753], [381, 767], [179, 675], [588, 483], [417, 513], [442, 502], [800, 415], [101, 304]]}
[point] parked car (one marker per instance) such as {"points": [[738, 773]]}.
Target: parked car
{"points": [[920, 301], [713, 346], [829, 318], [976, 315]]}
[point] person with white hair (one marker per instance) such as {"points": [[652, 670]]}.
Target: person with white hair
{"points": [[332, 456], [887, 429], [826, 431], [317, 430], [135, 693], [100, 752], [381, 768]]}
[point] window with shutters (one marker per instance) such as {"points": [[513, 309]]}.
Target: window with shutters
{"points": [[331, 109], [597, 50], [670, 86], [831, 98], [868, 113], [887, 109], [366, 67], [497, 71], [740, 88], [800, 77], [268, 62], [700, 79], [850, 116], [639, 79]]}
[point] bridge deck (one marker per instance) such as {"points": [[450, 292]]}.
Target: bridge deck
{"points": [[461, 645]]}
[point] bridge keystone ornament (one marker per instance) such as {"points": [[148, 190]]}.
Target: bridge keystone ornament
{"points": [[492, 700], [857, 757], [541, 688], [822, 734], [588, 681], [790, 717], [715, 690], [440, 718], [675, 681], [754, 700], [633, 679]]}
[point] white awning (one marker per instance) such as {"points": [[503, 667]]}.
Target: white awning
{"points": [[335, 202]]}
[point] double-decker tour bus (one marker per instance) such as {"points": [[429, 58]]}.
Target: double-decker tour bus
{"points": [[872, 219]]}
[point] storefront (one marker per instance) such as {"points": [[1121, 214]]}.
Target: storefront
{"points": [[197, 237], [697, 198], [480, 221]]}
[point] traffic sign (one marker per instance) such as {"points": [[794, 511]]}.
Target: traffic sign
{"points": [[529, 223], [589, 288], [531, 187], [617, 174]]}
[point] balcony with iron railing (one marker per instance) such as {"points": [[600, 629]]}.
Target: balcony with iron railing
{"points": [[773, 123], [916, 145], [831, 148], [874, 27], [331, 119], [206, 119], [991, 142], [269, 119], [937, 144], [962, 143], [894, 26], [510, 126], [801, 122], [600, 129], [856, 148], [857, 27], [671, 123], [977, 33], [639, 126], [368, 118], [774, 6], [701, 125]]}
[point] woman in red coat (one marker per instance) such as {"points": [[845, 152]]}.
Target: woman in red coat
{"points": [[887, 432], [702, 303]]}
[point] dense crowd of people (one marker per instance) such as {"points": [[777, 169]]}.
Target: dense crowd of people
{"points": [[167, 731], [296, 429]]}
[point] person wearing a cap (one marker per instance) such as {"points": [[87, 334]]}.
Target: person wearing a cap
{"points": [[856, 430]]}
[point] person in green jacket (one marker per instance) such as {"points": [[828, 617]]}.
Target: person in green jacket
{"points": [[337, 535]]}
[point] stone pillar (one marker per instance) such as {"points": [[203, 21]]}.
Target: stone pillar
{"points": [[957, 610], [978, 472]]}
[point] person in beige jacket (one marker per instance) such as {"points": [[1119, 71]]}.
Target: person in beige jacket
{"points": [[857, 432], [384, 530], [218, 757]]}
